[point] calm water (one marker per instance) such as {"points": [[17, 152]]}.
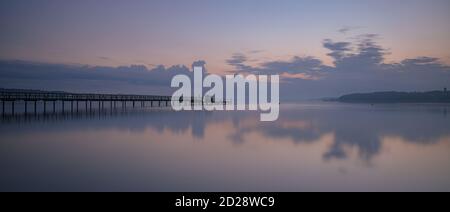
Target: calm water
{"points": [[312, 147]]}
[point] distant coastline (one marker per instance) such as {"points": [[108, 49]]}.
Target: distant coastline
{"points": [[395, 97]]}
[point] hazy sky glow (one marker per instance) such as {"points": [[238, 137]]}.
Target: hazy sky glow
{"points": [[171, 32], [115, 32]]}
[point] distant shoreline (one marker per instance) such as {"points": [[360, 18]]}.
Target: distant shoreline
{"points": [[395, 97]]}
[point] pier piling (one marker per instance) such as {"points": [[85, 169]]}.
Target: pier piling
{"points": [[73, 98]]}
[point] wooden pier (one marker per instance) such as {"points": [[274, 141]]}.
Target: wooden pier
{"points": [[32, 100], [53, 102]]}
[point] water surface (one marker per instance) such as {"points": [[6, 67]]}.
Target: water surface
{"points": [[312, 147]]}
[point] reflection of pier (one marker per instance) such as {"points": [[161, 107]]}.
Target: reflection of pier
{"points": [[62, 102]]}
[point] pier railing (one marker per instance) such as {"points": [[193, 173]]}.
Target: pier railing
{"points": [[99, 101], [37, 96]]}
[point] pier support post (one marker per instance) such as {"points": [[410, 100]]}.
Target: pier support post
{"points": [[87, 100]]}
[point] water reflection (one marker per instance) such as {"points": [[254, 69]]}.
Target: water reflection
{"points": [[137, 120], [361, 126], [147, 149]]}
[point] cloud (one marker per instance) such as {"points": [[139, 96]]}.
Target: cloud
{"points": [[22, 74], [300, 67], [364, 53], [359, 65], [420, 61], [199, 63], [237, 60], [347, 29], [338, 49], [257, 51]]}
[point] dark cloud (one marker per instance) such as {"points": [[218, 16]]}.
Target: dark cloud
{"points": [[256, 51], [199, 63], [237, 60], [363, 54], [359, 66], [135, 74], [308, 67], [20, 74], [338, 49], [347, 29], [421, 61], [344, 30], [296, 65]]}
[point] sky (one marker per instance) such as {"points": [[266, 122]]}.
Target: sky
{"points": [[243, 36]]}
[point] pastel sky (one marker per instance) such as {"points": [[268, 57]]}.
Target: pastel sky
{"points": [[117, 32], [171, 32]]}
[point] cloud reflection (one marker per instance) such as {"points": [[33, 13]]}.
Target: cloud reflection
{"points": [[353, 126]]}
